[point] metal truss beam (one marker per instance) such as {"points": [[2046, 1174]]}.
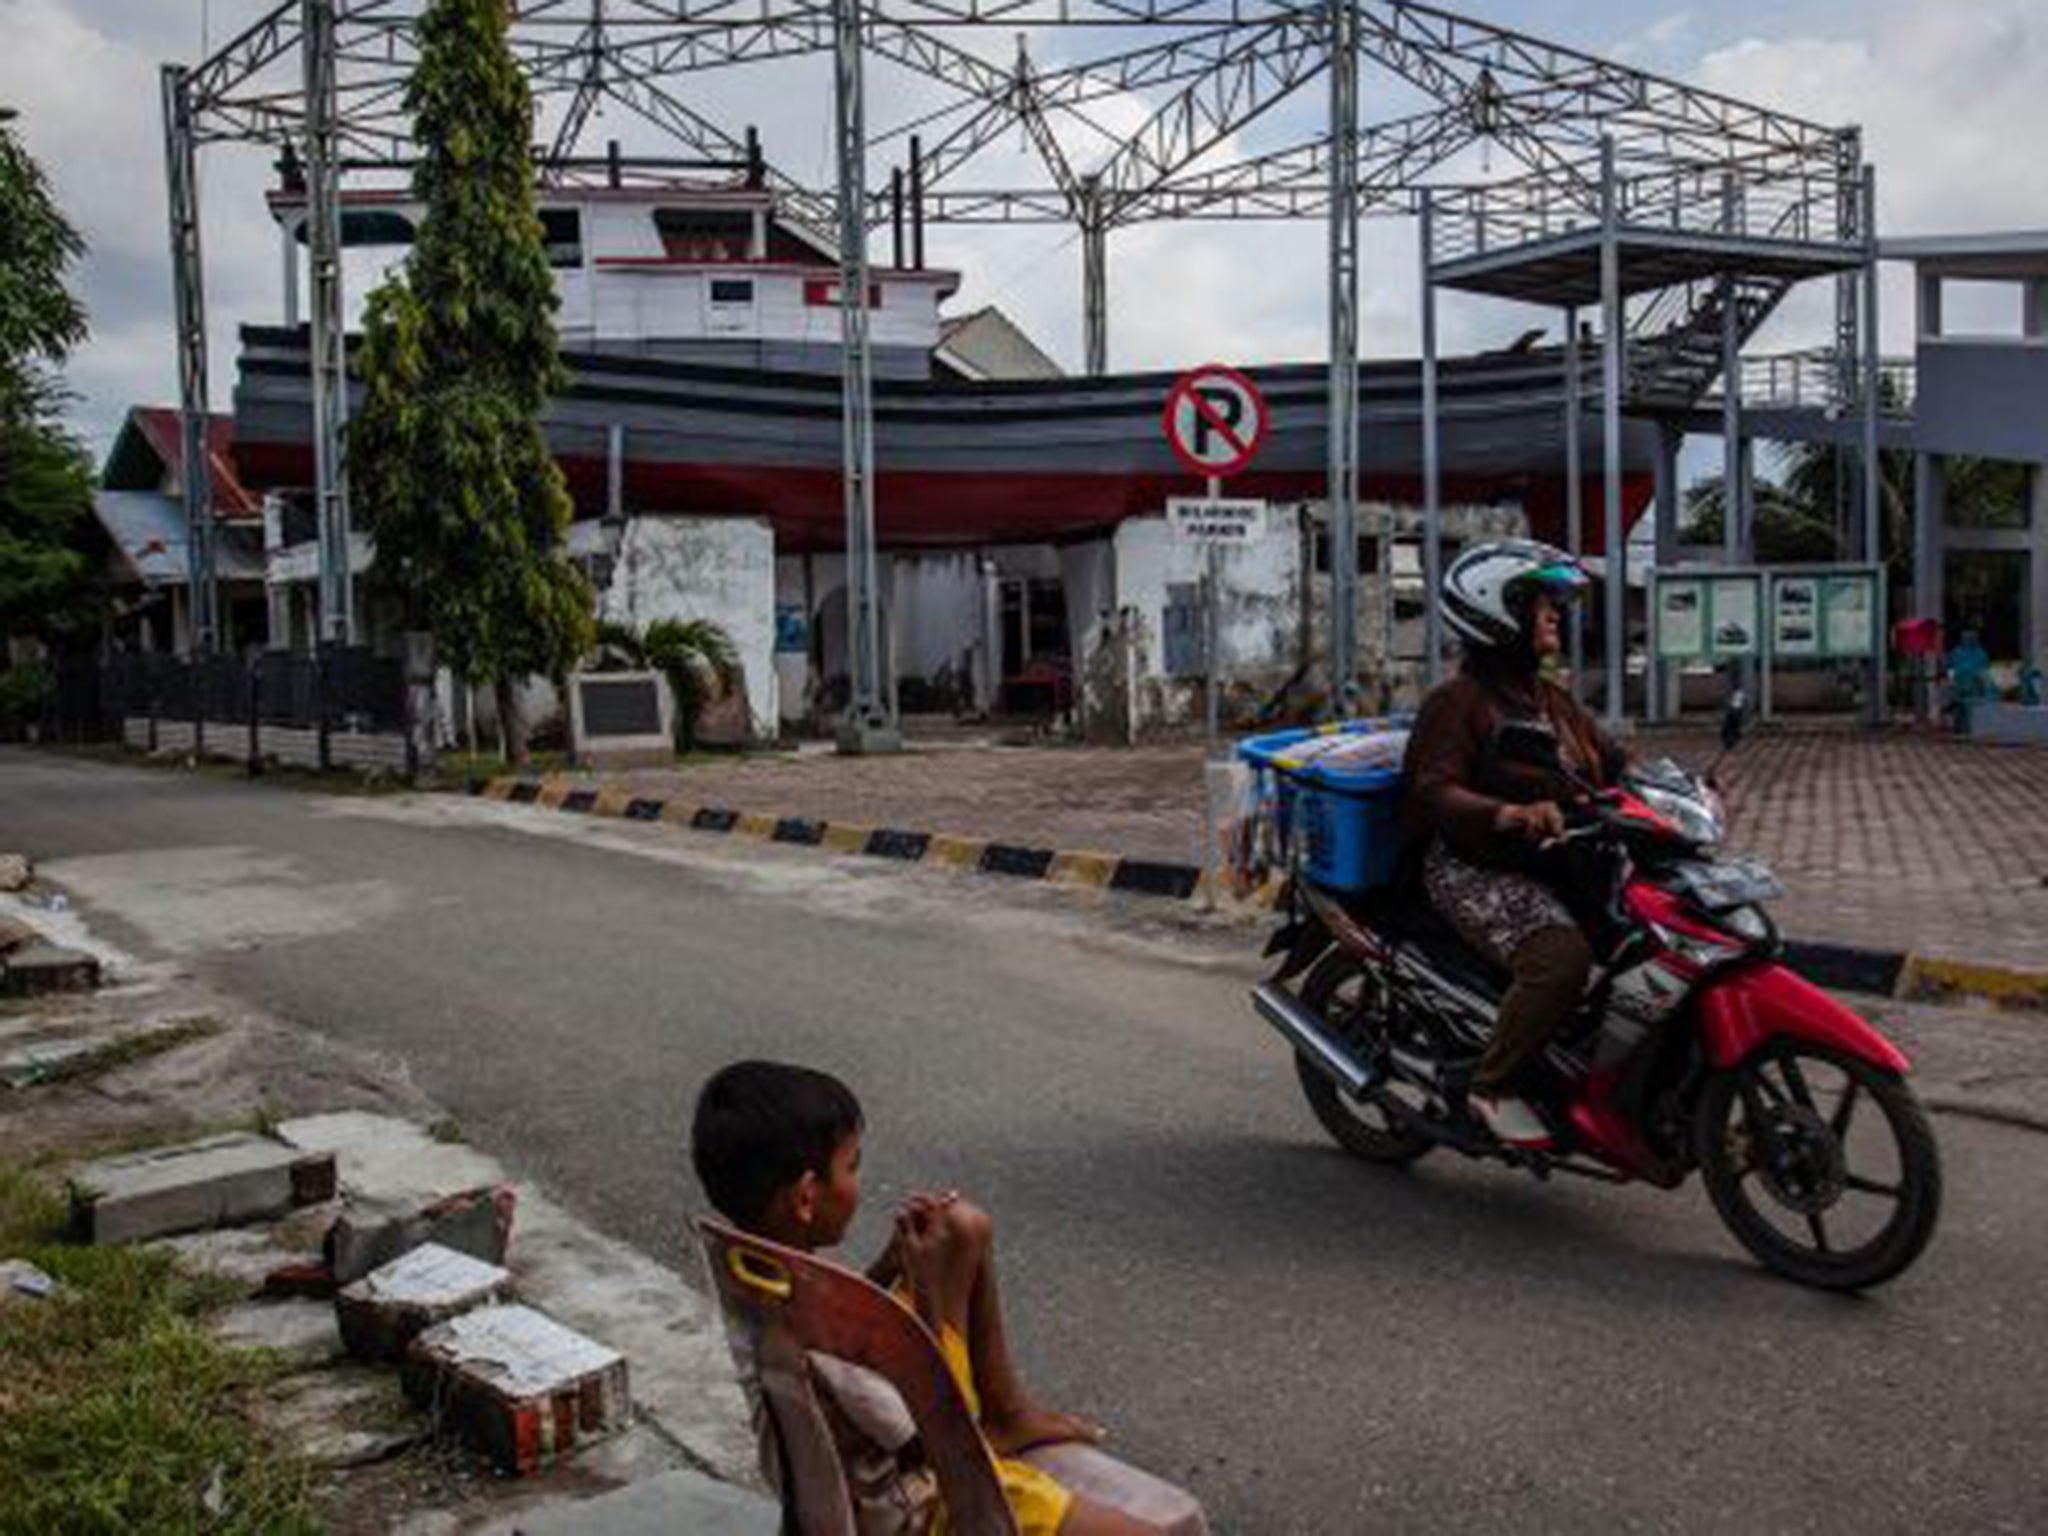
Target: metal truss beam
{"points": [[188, 291]]}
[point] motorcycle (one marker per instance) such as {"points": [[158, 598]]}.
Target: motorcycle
{"points": [[1694, 1048]]}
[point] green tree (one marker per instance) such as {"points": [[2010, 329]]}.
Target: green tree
{"points": [[47, 580], [695, 655], [459, 359], [1789, 531]]}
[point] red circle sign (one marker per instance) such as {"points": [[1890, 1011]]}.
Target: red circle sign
{"points": [[1215, 420]]}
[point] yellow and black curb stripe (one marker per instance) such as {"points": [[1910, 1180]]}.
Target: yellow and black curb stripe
{"points": [[1838, 967], [1101, 871]]}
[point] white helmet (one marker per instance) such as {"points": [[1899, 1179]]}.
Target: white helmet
{"points": [[1486, 587]]}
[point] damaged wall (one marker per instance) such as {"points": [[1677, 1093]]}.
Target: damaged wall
{"points": [[716, 568]]}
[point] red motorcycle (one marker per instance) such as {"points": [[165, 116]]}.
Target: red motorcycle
{"points": [[1695, 1046]]}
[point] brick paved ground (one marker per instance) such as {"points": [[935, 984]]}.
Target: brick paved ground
{"points": [[1910, 842]]}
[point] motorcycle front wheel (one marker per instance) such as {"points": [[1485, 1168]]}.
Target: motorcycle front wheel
{"points": [[1338, 991], [1821, 1164]]}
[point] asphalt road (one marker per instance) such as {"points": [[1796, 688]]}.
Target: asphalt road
{"points": [[1313, 1345]]}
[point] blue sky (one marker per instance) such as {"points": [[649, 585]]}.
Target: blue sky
{"points": [[1953, 95]]}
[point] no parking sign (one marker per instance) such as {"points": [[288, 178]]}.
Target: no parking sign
{"points": [[1215, 420]]}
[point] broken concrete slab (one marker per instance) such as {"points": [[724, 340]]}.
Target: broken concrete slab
{"points": [[15, 871], [14, 934], [222, 1181], [675, 1501], [344, 1416], [304, 1333], [518, 1386], [39, 970], [682, 1369], [369, 1233], [390, 1307], [245, 1255]]}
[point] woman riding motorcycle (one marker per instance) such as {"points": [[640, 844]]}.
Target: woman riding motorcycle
{"points": [[1488, 819]]}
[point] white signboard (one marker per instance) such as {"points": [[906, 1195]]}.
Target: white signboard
{"points": [[1795, 616], [1736, 631], [1216, 520], [1851, 616], [1681, 619]]}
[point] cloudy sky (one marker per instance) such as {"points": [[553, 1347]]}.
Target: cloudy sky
{"points": [[1953, 96]]}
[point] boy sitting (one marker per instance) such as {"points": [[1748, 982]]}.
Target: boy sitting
{"points": [[778, 1150]]}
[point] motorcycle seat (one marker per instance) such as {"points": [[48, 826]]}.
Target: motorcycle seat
{"points": [[1407, 918]]}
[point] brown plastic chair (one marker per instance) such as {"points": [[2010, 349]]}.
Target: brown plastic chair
{"points": [[779, 1306]]}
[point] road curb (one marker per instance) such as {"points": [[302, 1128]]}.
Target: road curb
{"points": [[1871, 972]]}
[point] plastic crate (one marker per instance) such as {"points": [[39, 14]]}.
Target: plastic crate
{"points": [[1346, 818]]}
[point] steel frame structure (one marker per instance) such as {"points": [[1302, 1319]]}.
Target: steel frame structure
{"points": [[1594, 145]]}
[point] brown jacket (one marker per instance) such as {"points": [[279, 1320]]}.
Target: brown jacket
{"points": [[1457, 781]]}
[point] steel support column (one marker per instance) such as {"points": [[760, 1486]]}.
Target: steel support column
{"points": [[1610, 445], [1094, 279], [1343, 446], [1575, 489], [328, 334], [1662, 700], [1877, 707], [867, 726], [1735, 509], [1432, 467], [188, 293]]}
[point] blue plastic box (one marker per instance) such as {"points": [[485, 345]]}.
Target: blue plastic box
{"points": [[1348, 818]]}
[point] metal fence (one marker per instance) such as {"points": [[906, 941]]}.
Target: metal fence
{"points": [[336, 688]]}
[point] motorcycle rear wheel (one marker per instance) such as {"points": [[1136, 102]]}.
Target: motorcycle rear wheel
{"points": [[1361, 1126], [1773, 1140]]}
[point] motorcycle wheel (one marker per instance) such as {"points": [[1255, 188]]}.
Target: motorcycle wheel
{"points": [[1335, 992], [1818, 1189]]}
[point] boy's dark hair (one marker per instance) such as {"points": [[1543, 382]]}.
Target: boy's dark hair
{"points": [[760, 1126]]}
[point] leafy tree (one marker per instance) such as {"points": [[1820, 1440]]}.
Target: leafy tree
{"points": [[40, 321], [459, 359], [1789, 530], [695, 655], [47, 585]]}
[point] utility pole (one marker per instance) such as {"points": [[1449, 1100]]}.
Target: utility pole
{"points": [[188, 293], [1344, 266], [329, 336], [868, 726]]}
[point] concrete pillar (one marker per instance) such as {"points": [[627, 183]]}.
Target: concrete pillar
{"points": [[991, 679], [2034, 641], [2034, 314], [1930, 522], [1927, 309]]}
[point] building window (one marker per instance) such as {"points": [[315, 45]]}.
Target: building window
{"points": [[562, 229], [704, 234]]}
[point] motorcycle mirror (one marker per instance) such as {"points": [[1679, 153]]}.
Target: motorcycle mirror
{"points": [[1533, 745]]}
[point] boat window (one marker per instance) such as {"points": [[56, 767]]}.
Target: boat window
{"points": [[705, 234], [563, 230], [732, 290]]}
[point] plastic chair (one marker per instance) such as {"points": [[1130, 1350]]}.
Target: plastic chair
{"points": [[780, 1305]]}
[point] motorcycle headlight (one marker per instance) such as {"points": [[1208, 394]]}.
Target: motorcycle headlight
{"points": [[1698, 820], [1748, 922]]}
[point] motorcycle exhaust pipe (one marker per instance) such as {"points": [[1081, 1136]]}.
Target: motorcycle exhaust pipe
{"points": [[1305, 1032]]}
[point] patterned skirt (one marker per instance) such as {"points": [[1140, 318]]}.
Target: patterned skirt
{"points": [[1496, 911]]}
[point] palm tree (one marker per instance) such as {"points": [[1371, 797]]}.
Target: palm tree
{"points": [[695, 655]]}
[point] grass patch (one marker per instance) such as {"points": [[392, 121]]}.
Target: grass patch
{"points": [[117, 1408], [125, 1052], [448, 1131]]}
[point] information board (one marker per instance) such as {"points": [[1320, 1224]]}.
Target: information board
{"points": [[1709, 616]]}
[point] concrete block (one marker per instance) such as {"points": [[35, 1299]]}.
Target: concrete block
{"points": [[219, 1182], [15, 934], [370, 1233], [518, 1386], [15, 871], [657, 1506], [36, 970], [387, 1309]]}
